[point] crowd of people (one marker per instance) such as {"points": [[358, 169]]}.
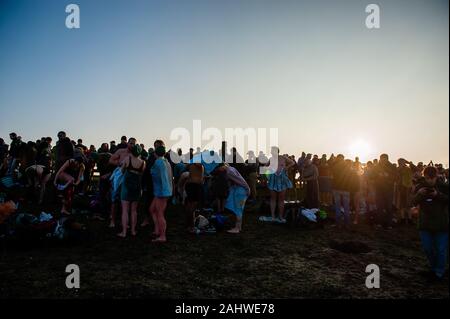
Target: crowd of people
{"points": [[127, 175]]}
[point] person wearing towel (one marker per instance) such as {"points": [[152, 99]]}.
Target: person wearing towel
{"points": [[161, 173]]}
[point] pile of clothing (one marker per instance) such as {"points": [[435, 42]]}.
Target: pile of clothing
{"points": [[27, 227], [311, 218], [206, 222]]}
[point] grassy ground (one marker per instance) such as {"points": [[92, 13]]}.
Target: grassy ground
{"points": [[264, 261]]}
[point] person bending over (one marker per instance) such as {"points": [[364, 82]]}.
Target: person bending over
{"points": [[67, 177]]}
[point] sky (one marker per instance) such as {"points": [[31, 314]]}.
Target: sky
{"points": [[311, 69]]}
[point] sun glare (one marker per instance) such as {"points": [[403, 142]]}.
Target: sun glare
{"points": [[361, 149]]}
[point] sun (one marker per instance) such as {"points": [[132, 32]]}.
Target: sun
{"points": [[360, 148]]}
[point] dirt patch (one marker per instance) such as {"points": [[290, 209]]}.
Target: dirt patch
{"points": [[350, 247], [264, 261]]}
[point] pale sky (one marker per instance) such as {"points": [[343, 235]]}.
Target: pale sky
{"points": [[309, 68]]}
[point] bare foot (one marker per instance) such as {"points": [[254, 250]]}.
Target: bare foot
{"points": [[159, 240], [233, 231], [145, 223], [123, 235], [112, 224], [133, 233], [65, 212]]}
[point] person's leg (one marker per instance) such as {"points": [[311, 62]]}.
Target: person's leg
{"points": [[68, 192], [154, 215], [273, 203], [252, 185], [389, 197], [237, 227], [125, 211], [441, 249], [67, 200], [134, 207], [190, 214], [346, 204], [400, 191], [337, 206], [427, 245], [239, 223], [11, 165], [44, 182], [65, 179], [221, 205], [408, 205], [104, 199], [116, 183], [38, 177], [238, 197], [112, 224], [308, 199], [161, 205], [316, 194], [356, 203], [281, 196], [147, 217], [322, 198], [381, 207]]}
